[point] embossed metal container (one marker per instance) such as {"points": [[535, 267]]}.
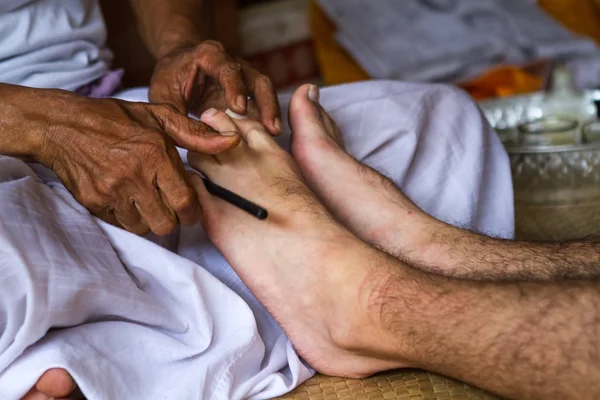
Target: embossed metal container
{"points": [[553, 141]]}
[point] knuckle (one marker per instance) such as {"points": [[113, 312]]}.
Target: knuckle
{"points": [[169, 109], [186, 201], [164, 226], [139, 229], [213, 43], [255, 130], [231, 68], [91, 200], [108, 185], [156, 145], [255, 127]]}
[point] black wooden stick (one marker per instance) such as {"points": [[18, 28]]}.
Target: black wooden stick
{"points": [[236, 200]]}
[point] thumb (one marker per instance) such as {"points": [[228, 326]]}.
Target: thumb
{"points": [[194, 135]]}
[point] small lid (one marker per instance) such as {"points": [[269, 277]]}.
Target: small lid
{"points": [[549, 125]]}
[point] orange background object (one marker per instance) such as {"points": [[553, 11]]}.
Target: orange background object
{"points": [[580, 16]]}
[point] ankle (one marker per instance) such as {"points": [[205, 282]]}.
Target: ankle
{"points": [[366, 327], [437, 240], [407, 236]]}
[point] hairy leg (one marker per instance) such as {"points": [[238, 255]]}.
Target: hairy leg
{"points": [[352, 310], [520, 340], [375, 209]]}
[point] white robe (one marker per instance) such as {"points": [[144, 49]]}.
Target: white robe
{"points": [[148, 318]]}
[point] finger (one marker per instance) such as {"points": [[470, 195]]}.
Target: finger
{"points": [[108, 215], [179, 195], [265, 97], [191, 134], [128, 217], [252, 110], [160, 219], [215, 62]]}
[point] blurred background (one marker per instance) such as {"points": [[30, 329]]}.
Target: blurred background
{"points": [[533, 65], [489, 47]]}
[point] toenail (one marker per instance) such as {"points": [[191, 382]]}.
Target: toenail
{"points": [[209, 113], [313, 93]]}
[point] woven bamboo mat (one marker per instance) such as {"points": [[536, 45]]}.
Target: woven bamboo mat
{"points": [[408, 384], [533, 222]]}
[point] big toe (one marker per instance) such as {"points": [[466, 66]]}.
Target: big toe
{"points": [[305, 116], [56, 383], [308, 120]]}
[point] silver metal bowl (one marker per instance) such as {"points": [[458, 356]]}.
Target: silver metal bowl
{"points": [[553, 144], [554, 147]]}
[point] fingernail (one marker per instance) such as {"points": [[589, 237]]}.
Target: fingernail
{"points": [[277, 124], [240, 101], [313, 93], [209, 113], [228, 133]]}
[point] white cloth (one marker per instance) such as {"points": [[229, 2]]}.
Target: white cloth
{"points": [[52, 43], [130, 319], [454, 40]]}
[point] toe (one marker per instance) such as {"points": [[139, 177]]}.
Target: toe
{"points": [[331, 127], [308, 120], [224, 124], [219, 121], [305, 116], [255, 134], [55, 383]]}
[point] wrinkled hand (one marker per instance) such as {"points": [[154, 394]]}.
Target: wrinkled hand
{"points": [[194, 79], [119, 160]]}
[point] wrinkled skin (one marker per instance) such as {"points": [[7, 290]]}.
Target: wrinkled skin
{"points": [[196, 78], [119, 159]]}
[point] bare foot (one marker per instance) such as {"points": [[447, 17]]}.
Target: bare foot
{"points": [[54, 384], [361, 198], [312, 274]]}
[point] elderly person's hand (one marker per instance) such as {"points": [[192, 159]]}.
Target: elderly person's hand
{"points": [[195, 78], [117, 158]]}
